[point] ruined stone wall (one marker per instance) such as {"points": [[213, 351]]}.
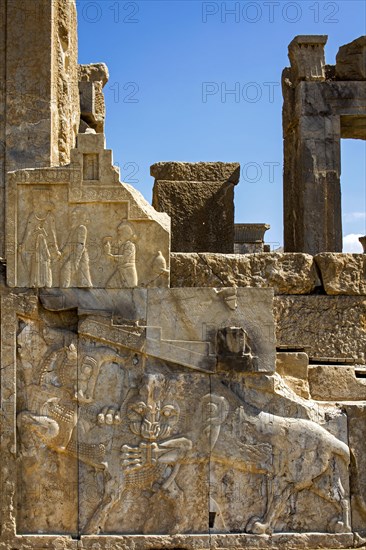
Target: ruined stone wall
{"points": [[322, 104], [155, 400], [2, 118], [39, 101], [66, 108], [320, 302]]}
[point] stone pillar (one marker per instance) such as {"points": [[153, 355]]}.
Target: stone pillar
{"points": [[321, 105], [312, 194], [199, 198], [249, 237], [39, 97]]}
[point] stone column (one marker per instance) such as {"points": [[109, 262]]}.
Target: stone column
{"points": [[312, 165], [39, 98], [199, 198]]}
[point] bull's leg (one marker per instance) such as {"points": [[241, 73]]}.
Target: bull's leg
{"points": [[113, 490], [275, 505], [342, 522]]}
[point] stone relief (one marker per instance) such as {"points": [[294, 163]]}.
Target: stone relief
{"points": [[291, 472], [81, 228], [142, 437], [75, 271], [38, 249], [132, 408], [154, 462], [123, 254]]}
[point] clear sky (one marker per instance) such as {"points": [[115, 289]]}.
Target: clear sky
{"points": [[173, 64]]}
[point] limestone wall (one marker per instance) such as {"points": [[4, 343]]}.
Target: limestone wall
{"points": [[152, 400], [320, 302], [39, 101]]}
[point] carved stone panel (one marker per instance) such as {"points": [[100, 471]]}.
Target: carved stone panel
{"points": [[160, 416], [47, 414], [80, 227], [234, 324]]}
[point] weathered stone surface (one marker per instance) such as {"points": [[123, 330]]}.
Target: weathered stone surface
{"points": [[154, 445], [136, 417], [356, 413], [92, 79], [293, 367], [363, 242], [336, 383], [80, 227], [285, 273], [316, 115], [199, 197], [39, 99], [200, 310], [326, 326], [306, 53], [342, 273], [2, 120], [351, 60], [249, 237], [196, 171]]}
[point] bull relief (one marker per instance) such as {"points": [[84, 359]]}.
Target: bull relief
{"points": [[79, 227]]}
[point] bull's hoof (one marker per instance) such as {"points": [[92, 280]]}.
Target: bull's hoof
{"points": [[340, 527], [256, 527]]}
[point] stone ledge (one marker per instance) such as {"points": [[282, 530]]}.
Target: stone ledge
{"points": [[285, 273], [212, 541], [342, 273]]}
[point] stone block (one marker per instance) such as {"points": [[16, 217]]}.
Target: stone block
{"points": [[343, 273], [249, 237], [244, 342], [196, 171], [336, 383], [92, 79], [199, 198], [317, 113], [332, 327], [285, 273], [142, 439], [356, 414], [306, 53], [363, 242], [351, 60], [293, 367]]}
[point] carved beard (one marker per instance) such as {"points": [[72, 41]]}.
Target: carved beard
{"points": [[150, 430], [141, 426], [135, 427]]}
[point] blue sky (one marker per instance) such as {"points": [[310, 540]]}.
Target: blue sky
{"points": [[172, 66]]}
